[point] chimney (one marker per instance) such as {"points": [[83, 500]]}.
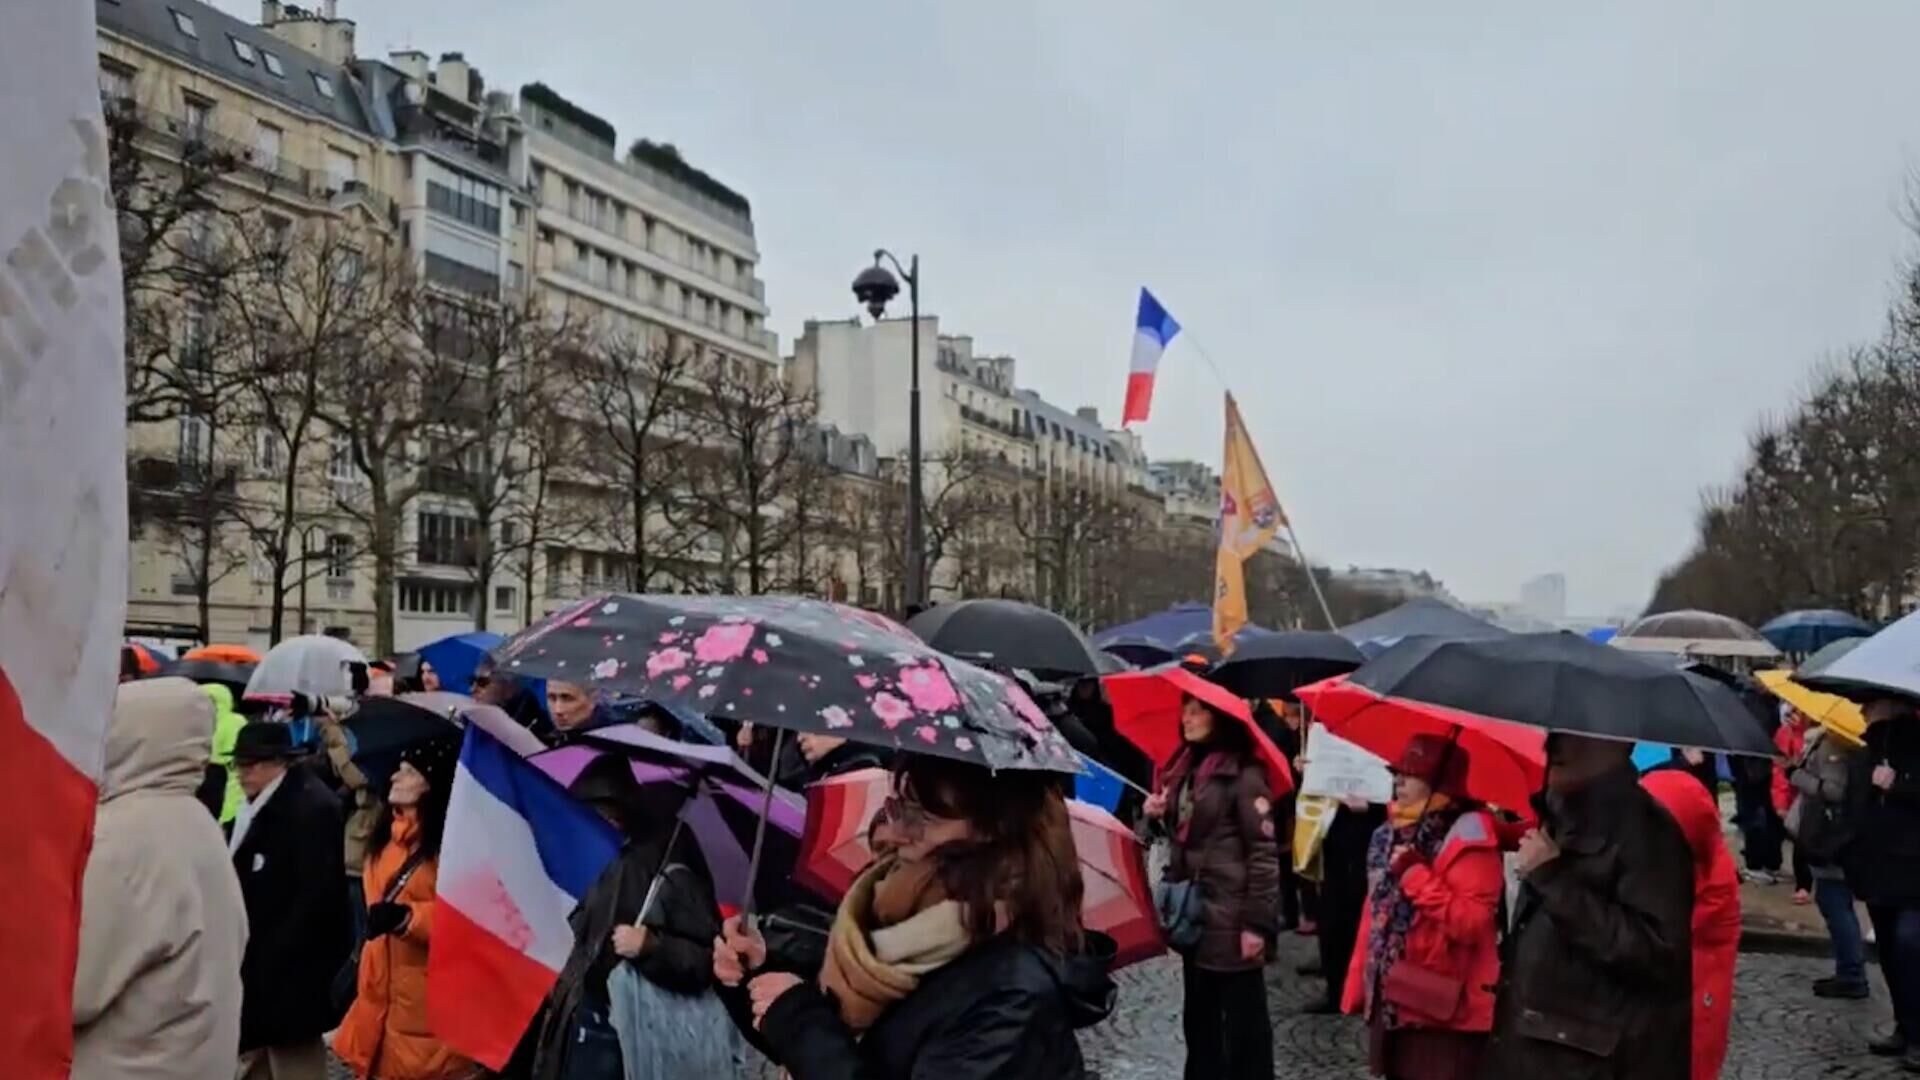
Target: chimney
{"points": [[1088, 413], [454, 76], [320, 32], [269, 13], [410, 62]]}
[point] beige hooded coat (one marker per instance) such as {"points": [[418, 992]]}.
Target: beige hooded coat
{"points": [[163, 925]]}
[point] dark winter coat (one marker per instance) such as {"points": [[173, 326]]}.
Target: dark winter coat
{"points": [[1224, 838], [1831, 782], [1002, 1011], [293, 877], [1883, 861], [1598, 967], [845, 758], [682, 925]]}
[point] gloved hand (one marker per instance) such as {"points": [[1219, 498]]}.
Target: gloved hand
{"points": [[387, 917]]}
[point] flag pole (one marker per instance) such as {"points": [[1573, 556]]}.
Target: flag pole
{"points": [[1312, 580]]}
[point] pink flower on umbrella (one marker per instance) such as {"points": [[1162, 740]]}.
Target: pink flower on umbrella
{"points": [[891, 710], [867, 682], [929, 688], [669, 638], [963, 744], [681, 682], [606, 669], [927, 733], [723, 642], [836, 717], [760, 656], [666, 660]]}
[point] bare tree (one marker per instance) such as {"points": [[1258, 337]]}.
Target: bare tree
{"points": [[636, 399], [753, 468], [307, 309]]}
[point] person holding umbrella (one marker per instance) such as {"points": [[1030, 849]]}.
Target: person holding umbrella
{"points": [[1883, 863], [1598, 978], [1424, 979], [1218, 804], [958, 953]]}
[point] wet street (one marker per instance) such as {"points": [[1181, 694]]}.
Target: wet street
{"points": [[1780, 1030]]}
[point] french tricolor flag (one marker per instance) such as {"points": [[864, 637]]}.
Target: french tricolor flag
{"points": [[1153, 331], [518, 856]]}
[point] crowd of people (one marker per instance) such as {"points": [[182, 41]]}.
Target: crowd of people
{"points": [[255, 902]]}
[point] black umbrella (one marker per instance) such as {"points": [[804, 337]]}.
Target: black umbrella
{"points": [[1007, 634], [213, 671], [382, 727], [1112, 663], [1563, 682], [1275, 665], [1139, 651]]}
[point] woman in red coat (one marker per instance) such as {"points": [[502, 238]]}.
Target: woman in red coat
{"points": [[1716, 912], [1791, 739], [1425, 967]]}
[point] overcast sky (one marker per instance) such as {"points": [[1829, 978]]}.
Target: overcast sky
{"points": [[1499, 286]]}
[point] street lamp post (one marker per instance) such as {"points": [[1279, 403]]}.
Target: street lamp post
{"points": [[873, 287], [305, 572]]}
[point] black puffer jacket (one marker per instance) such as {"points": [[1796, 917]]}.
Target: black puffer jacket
{"points": [[1883, 860], [1003, 1010]]}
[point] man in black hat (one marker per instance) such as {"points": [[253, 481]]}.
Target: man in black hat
{"points": [[286, 847]]}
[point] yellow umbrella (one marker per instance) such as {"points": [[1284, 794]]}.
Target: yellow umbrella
{"points": [[1831, 711]]}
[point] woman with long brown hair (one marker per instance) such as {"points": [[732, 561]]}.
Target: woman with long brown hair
{"points": [[958, 953], [1217, 801]]}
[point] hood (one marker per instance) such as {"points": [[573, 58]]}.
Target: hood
{"points": [[159, 738], [221, 697], [1086, 990], [1686, 800]]}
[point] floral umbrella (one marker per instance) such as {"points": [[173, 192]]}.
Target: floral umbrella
{"points": [[795, 664]]}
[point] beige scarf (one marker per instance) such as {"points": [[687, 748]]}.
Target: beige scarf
{"points": [[894, 927]]}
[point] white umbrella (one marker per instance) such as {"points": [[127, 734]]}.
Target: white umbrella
{"points": [[1889, 660], [1694, 633], [314, 665]]}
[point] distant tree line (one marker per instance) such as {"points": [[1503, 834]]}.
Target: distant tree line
{"points": [[1826, 509]]}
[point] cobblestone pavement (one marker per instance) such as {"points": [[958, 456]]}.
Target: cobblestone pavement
{"points": [[1780, 1030]]}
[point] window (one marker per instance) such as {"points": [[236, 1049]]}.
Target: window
{"points": [[557, 560], [339, 556], [196, 444], [342, 166], [504, 597], [464, 198], [324, 85], [266, 142], [116, 81], [582, 258], [278, 231], [435, 598], [340, 460], [196, 352], [266, 450], [516, 275], [184, 23], [597, 269], [199, 117], [455, 274], [272, 60], [242, 50], [446, 540], [346, 268], [519, 217]]}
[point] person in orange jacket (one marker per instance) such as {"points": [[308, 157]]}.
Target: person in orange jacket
{"points": [[1716, 912], [1424, 970], [386, 1033]]}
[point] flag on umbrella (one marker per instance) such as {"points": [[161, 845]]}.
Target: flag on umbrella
{"points": [[518, 857], [1153, 331], [63, 535], [1249, 516]]}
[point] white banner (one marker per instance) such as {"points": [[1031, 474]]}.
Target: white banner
{"points": [[1337, 768]]}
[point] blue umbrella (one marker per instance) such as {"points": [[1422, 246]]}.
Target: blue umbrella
{"points": [[1600, 635], [1809, 631], [1884, 663], [1167, 630], [454, 658]]}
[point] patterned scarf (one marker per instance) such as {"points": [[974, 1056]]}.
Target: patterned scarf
{"points": [[1390, 909]]}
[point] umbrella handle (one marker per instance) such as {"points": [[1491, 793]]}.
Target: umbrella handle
{"points": [[660, 872], [760, 833]]}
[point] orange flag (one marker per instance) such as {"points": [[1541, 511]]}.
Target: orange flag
{"points": [[1250, 515]]}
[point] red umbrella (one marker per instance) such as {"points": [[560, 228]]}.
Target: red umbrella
{"points": [[1146, 709], [226, 654], [1506, 764], [1118, 901], [139, 660]]}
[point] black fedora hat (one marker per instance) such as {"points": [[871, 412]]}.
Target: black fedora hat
{"points": [[263, 741]]}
